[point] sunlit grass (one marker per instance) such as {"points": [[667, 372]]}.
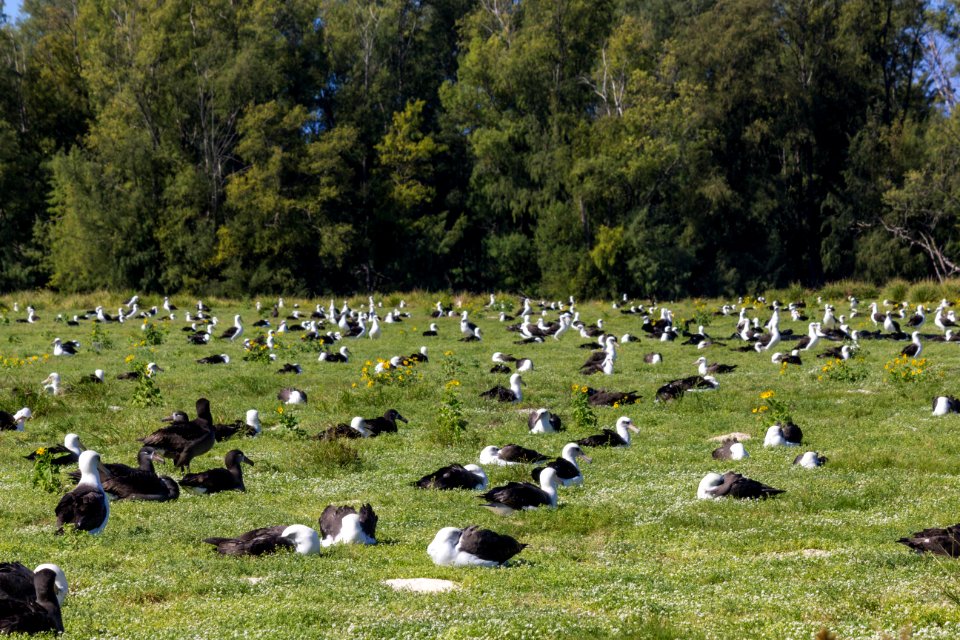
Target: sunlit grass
{"points": [[632, 553]]}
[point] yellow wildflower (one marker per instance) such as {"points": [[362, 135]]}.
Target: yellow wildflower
{"points": [[766, 394], [280, 410], [41, 451], [128, 359]]}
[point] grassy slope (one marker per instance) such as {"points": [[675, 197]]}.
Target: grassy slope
{"points": [[630, 553]]}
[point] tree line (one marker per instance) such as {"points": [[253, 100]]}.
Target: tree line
{"points": [[656, 147]]}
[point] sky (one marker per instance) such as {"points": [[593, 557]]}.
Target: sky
{"points": [[12, 8]]}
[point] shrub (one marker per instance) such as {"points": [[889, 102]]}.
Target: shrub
{"points": [[903, 369], [770, 407], [146, 393], [451, 423], [583, 413], [896, 290], [837, 370], [46, 475], [331, 457]]}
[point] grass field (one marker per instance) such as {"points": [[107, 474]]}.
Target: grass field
{"points": [[632, 553]]}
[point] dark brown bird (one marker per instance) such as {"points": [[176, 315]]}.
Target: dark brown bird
{"points": [[227, 478], [943, 542], [185, 439]]}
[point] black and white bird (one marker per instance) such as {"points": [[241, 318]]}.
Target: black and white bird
{"points": [[730, 450], [300, 538], [942, 405], [290, 395], [38, 614], [517, 496], [249, 427], [502, 394], [345, 525], [221, 358], [708, 369], [676, 388], [787, 358], [472, 546], [68, 348], [810, 460], [610, 438], [467, 328], [16, 581], [387, 423], [783, 435], [226, 478], [15, 422], [913, 349], [508, 455], [356, 429], [290, 367], [86, 507], [733, 485], [66, 454], [234, 332], [341, 357], [568, 471], [455, 476], [542, 421], [432, 332]]}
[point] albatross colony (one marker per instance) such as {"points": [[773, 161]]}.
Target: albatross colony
{"points": [[854, 519]]}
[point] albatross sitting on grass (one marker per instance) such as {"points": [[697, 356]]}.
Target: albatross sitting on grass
{"points": [[472, 546], [345, 525], [501, 394], [301, 538], [517, 496]]}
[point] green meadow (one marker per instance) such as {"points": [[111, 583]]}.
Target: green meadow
{"points": [[631, 553]]}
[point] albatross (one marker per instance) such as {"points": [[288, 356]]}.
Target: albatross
{"points": [[611, 438], [301, 538], [568, 471], [472, 546], [226, 478], [86, 507], [502, 394], [715, 486], [39, 614], [454, 476], [517, 496], [345, 525]]}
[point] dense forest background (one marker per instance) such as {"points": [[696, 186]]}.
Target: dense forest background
{"points": [[657, 147]]}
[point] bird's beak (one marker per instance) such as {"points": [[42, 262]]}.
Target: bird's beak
{"points": [[104, 472], [168, 418], [248, 461], [633, 428], [402, 419], [156, 457], [585, 457]]}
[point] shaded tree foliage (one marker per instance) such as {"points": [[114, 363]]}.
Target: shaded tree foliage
{"points": [[553, 146]]}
